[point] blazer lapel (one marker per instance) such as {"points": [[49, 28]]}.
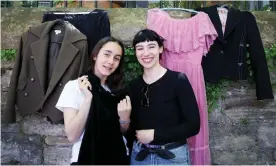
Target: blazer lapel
{"points": [[233, 19], [216, 22], [39, 51], [66, 55]]}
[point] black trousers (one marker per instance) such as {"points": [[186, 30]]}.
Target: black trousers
{"points": [[95, 24]]}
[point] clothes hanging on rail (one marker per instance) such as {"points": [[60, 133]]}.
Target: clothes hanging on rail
{"points": [[186, 42], [49, 55], [227, 57], [94, 24]]}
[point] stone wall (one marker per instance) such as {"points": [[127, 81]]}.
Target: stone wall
{"points": [[242, 129]]}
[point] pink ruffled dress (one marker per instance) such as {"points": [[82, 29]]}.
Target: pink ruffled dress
{"points": [[186, 42]]}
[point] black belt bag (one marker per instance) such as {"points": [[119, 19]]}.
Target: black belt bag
{"points": [[162, 151]]}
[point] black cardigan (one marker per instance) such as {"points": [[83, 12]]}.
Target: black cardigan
{"points": [[227, 56], [102, 141]]}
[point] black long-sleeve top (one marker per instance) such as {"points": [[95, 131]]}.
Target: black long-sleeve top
{"points": [[172, 112]]}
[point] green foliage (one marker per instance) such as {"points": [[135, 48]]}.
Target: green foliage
{"points": [[271, 57], [244, 121], [214, 92], [69, 2], [189, 4], [154, 5], [132, 68], [7, 3], [8, 54], [266, 8], [29, 3], [56, 2]]}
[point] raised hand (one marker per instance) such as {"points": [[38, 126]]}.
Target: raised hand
{"points": [[85, 86], [124, 109]]}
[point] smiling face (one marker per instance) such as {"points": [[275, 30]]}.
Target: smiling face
{"points": [[108, 59], [148, 53]]}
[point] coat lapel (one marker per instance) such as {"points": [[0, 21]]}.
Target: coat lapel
{"points": [[233, 19], [39, 51], [216, 22], [66, 55]]}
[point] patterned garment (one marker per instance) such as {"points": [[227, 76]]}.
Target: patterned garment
{"points": [[186, 42]]}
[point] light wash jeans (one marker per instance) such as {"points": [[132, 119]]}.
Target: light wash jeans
{"points": [[182, 156]]}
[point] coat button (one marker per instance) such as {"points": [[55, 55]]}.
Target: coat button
{"points": [[247, 45], [26, 94], [225, 41], [32, 79], [60, 84], [32, 57], [221, 52]]}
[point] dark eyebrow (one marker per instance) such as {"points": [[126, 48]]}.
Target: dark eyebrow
{"points": [[111, 52], [152, 44], [108, 51], [138, 46]]}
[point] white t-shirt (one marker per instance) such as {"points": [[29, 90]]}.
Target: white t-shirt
{"points": [[71, 96]]}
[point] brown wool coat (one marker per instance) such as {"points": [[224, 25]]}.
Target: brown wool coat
{"points": [[27, 89]]}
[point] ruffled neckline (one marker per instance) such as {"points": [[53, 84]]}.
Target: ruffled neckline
{"points": [[167, 15], [182, 35]]}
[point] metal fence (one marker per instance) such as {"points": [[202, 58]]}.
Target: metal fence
{"points": [[243, 5]]}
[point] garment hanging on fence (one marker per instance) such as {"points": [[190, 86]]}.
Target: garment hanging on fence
{"points": [[227, 58], [30, 88], [186, 42], [95, 24]]}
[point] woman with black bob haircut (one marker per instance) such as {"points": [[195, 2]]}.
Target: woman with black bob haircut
{"points": [[164, 108], [96, 113]]}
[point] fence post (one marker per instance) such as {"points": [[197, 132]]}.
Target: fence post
{"points": [[204, 3], [80, 3], [110, 4], [273, 5], [174, 4], [65, 3]]}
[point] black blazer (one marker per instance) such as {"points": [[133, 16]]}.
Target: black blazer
{"points": [[227, 56]]}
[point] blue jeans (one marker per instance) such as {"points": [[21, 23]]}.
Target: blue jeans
{"points": [[182, 156]]}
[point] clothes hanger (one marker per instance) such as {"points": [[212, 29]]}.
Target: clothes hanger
{"points": [[71, 12], [226, 6], [180, 9]]}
